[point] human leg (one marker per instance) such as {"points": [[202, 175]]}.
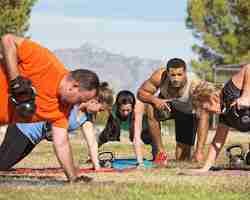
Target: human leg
{"points": [[146, 137], [155, 129], [202, 133], [183, 151], [185, 129], [14, 148]]}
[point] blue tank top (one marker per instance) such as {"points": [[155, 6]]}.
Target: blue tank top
{"points": [[37, 131]]}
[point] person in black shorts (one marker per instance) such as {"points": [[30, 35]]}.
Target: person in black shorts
{"points": [[177, 89], [184, 122], [233, 106]]}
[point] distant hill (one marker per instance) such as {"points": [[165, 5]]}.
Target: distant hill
{"points": [[120, 71]]}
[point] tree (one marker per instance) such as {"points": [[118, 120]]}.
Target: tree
{"points": [[14, 16], [222, 28]]}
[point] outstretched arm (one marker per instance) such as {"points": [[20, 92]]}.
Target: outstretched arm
{"points": [[202, 132], [9, 45], [89, 134], [137, 129], [63, 152], [216, 146]]}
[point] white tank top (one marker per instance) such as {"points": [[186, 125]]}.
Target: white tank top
{"points": [[182, 103]]}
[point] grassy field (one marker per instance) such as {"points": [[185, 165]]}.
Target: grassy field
{"points": [[157, 183]]}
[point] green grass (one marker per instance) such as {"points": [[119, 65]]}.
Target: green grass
{"points": [[160, 183], [125, 192]]}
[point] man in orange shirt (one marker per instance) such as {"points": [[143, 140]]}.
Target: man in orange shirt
{"points": [[56, 88]]}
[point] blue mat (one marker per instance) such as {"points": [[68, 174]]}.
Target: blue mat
{"points": [[130, 163]]}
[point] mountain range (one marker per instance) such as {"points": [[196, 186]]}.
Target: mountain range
{"points": [[121, 72]]}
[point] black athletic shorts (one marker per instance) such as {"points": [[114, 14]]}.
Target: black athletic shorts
{"points": [[185, 125]]}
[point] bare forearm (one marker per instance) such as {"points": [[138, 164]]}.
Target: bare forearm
{"points": [[10, 56], [138, 150], [216, 146], [64, 153], [146, 97], [137, 128], [202, 130], [211, 158], [246, 82], [89, 133], [137, 144]]}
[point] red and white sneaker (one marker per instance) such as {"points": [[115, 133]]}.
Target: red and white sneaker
{"points": [[161, 159]]}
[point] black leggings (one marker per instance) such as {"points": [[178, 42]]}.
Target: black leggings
{"points": [[14, 148]]}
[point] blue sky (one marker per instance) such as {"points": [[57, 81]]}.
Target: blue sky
{"points": [[151, 29]]}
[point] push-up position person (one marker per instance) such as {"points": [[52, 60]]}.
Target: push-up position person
{"points": [[128, 114], [23, 62], [21, 138], [175, 101], [233, 105]]}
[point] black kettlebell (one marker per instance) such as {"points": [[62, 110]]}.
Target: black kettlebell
{"points": [[235, 160], [237, 118], [248, 156], [165, 114], [26, 108], [105, 159]]}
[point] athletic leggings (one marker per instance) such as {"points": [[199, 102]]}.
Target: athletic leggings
{"points": [[14, 148]]}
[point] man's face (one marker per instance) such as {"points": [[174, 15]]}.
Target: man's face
{"points": [[125, 110], [72, 94], [177, 77]]}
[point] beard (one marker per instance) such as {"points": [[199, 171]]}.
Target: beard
{"points": [[178, 84]]}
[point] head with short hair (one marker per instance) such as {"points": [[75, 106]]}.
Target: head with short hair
{"points": [[125, 102], [88, 80], [105, 96], [176, 72], [79, 86], [176, 63]]}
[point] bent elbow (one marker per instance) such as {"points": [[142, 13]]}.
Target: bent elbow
{"points": [[7, 39], [140, 94]]}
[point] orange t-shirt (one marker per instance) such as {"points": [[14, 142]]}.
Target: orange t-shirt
{"points": [[45, 71]]}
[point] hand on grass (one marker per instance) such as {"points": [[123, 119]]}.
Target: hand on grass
{"points": [[140, 166], [82, 178], [198, 157]]}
